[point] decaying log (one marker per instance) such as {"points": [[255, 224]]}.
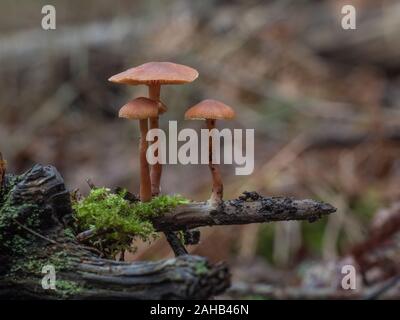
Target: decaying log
{"points": [[35, 221]]}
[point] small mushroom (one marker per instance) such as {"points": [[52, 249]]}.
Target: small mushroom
{"points": [[142, 109], [155, 74], [212, 110]]}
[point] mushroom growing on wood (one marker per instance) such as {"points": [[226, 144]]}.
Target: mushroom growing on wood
{"points": [[155, 74], [212, 110], [142, 109]]}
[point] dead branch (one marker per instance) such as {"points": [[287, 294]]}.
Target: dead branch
{"points": [[249, 208]]}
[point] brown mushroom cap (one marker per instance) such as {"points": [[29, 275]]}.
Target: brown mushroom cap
{"points": [[140, 108], [210, 109], [156, 73]]}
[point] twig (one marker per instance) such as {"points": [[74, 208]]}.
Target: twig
{"points": [[34, 232], [249, 208], [175, 243], [90, 184]]}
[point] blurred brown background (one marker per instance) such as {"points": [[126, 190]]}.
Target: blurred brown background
{"points": [[324, 103]]}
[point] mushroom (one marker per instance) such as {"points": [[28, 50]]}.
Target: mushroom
{"points": [[142, 109], [212, 110], [155, 74]]}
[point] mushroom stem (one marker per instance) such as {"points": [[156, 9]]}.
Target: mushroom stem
{"points": [[217, 188], [156, 169], [145, 184]]}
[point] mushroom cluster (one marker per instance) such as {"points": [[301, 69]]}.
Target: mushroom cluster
{"points": [[147, 111]]}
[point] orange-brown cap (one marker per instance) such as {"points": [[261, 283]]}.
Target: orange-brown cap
{"points": [[140, 108], [210, 109], [156, 72]]}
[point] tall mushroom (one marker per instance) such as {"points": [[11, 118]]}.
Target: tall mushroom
{"points": [[212, 110], [142, 109], [155, 74]]}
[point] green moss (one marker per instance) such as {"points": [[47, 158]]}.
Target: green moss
{"points": [[10, 238], [69, 233], [33, 266], [12, 181], [118, 221], [22, 267], [67, 287], [201, 268], [60, 261], [181, 236]]}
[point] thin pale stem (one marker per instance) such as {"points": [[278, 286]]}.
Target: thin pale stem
{"points": [[156, 169], [217, 188], [145, 184]]}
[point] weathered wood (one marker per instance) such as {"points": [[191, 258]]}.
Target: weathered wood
{"points": [[35, 216], [249, 208]]}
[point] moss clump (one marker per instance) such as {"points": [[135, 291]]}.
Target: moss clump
{"points": [[33, 266], [67, 288], [23, 267], [117, 221], [11, 181]]}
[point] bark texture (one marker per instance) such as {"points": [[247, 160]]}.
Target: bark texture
{"points": [[35, 220], [248, 208]]}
